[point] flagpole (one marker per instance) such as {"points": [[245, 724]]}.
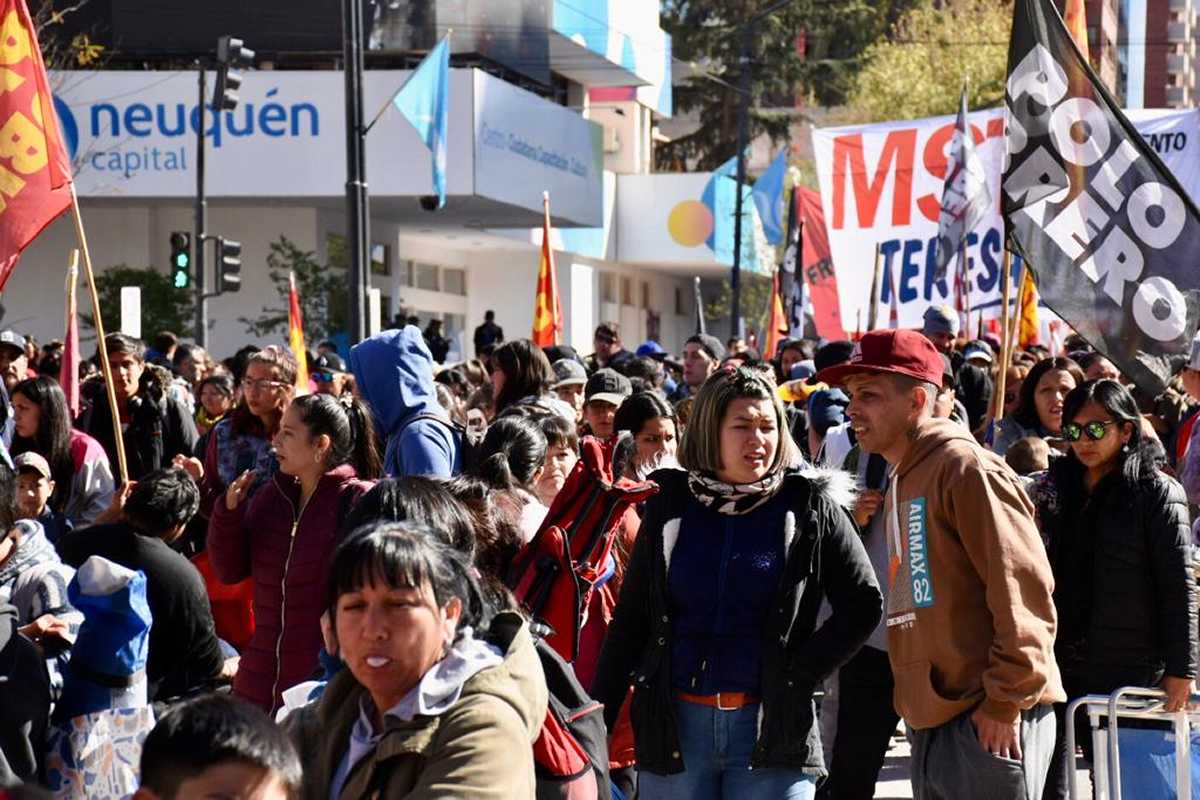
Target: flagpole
{"points": [[392, 97], [105, 367], [69, 380], [873, 308], [1005, 355]]}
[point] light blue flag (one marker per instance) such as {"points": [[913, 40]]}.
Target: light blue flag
{"points": [[425, 102], [768, 197]]}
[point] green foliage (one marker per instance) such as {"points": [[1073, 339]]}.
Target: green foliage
{"points": [[322, 290], [808, 48], [755, 303], [164, 308], [919, 70]]}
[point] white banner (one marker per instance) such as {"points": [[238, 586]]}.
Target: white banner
{"points": [[881, 184]]}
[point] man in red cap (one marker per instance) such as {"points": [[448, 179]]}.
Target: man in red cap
{"points": [[970, 617]]}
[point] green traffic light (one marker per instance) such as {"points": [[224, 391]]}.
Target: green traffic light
{"points": [[181, 280], [181, 260]]}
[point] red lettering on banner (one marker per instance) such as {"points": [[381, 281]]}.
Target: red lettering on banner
{"points": [[899, 152], [935, 160]]}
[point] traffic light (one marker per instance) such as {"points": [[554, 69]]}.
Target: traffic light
{"points": [[181, 259], [229, 265], [231, 57]]}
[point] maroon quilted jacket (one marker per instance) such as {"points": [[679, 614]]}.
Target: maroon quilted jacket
{"points": [[286, 549]]}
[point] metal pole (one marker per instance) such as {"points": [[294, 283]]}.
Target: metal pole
{"points": [[735, 279], [356, 177], [201, 335]]}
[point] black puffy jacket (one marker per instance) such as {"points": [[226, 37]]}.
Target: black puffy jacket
{"points": [[1125, 588], [825, 558]]}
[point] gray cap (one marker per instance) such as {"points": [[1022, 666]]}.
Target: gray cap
{"points": [[608, 386], [710, 344], [33, 461], [978, 349], [569, 372], [941, 319], [12, 339]]}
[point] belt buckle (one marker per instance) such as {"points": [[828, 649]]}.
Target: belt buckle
{"points": [[721, 707]]}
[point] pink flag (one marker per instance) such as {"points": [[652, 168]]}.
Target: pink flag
{"points": [[68, 377]]}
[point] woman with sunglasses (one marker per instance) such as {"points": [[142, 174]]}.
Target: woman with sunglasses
{"points": [[1116, 531]]}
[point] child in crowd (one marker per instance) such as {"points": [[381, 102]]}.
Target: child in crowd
{"points": [[35, 485], [218, 746], [1028, 456]]}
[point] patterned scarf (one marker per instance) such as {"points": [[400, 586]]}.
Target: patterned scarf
{"points": [[734, 498]]}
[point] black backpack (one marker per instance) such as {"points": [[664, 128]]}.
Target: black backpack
{"points": [[468, 441], [571, 753]]}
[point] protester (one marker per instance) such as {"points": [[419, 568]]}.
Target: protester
{"points": [[156, 427], [489, 334], [184, 652], [569, 380], [425, 501], [702, 354], [1119, 544], [329, 374], [1028, 456], [282, 538], [971, 621], [1096, 367], [216, 400], [83, 479], [940, 326], [609, 351], [653, 431], [14, 364], [511, 459], [1014, 380], [435, 698], [192, 363], [562, 451], [35, 486], [218, 747], [1039, 409], [715, 625], [826, 409], [24, 703], [645, 374], [394, 374], [606, 390], [439, 345]]}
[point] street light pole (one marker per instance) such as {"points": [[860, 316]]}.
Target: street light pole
{"points": [[357, 215], [201, 335]]}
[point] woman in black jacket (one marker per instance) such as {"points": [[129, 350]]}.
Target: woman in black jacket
{"points": [[716, 625], [1116, 531]]}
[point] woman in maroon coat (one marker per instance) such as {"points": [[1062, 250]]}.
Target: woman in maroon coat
{"points": [[284, 535]]}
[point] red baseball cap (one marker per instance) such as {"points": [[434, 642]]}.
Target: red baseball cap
{"points": [[899, 352]]}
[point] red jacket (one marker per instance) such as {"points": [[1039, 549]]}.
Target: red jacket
{"points": [[286, 549]]}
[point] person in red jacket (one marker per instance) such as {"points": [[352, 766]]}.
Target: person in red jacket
{"points": [[283, 537]]}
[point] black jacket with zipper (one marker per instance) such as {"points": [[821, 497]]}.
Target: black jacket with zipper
{"points": [[824, 558]]}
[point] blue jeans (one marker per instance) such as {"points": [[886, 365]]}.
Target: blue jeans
{"points": [[716, 747]]}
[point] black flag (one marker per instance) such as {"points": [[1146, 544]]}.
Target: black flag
{"points": [[790, 280], [1108, 231]]}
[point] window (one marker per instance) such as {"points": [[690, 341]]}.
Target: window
{"points": [[645, 294], [608, 287], [337, 252], [680, 306], [454, 281], [626, 291], [380, 259], [385, 308], [406, 272], [427, 277]]}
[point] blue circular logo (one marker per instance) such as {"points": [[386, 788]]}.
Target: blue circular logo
{"points": [[66, 123]]}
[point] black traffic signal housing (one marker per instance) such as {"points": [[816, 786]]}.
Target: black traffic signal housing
{"points": [[181, 259], [231, 57], [229, 265]]}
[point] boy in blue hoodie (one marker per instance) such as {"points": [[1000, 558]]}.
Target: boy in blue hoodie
{"points": [[394, 373]]}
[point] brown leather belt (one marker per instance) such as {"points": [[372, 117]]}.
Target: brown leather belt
{"points": [[724, 701]]}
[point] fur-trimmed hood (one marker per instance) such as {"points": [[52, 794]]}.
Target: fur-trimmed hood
{"points": [[838, 485]]}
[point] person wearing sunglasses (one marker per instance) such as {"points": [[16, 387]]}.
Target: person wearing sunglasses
{"points": [[1117, 534], [329, 374]]}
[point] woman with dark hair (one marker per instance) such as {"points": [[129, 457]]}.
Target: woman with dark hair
{"points": [[562, 451], [511, 459], [282, 538], [521, 373], [216, 399], [653, 433], [83, 478], [434, 700], [1039, 410], [716, 623], [1117, 534], [419, 499]]}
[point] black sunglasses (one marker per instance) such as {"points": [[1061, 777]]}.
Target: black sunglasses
{"points": [[1095, 431]]}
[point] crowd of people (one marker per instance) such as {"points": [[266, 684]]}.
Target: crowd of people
{"points": [[323, 591]]}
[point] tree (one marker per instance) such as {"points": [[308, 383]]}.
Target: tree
{"points": [[323, 299], [755, 303], [807, 49], [919, 70], [164, 308]]}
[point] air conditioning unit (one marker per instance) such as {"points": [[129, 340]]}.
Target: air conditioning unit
{"points": [[612, 140]]}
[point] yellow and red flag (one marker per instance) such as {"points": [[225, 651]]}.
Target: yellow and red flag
{"points": [[296, 336], [35, 171], [1075, 17], [1028, 331], [547, 310], [777, 326]]}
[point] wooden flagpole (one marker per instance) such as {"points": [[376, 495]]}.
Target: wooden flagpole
{"points": [[873, 308], [1005, 322], [106, 369]]}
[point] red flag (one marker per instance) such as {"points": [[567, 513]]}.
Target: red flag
{"points": [[777, 325], [35, 171], [547, 310], [816, 266], [68, 376], [296, 336]]}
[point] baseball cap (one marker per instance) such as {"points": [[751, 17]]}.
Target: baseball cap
{"points": [[896, 352], [941, 319], [978, 349], [827, 408], [12, 339], [33, 461], [607, 385], [709, 343], [650, 349], [329, 362], [568, 372]]}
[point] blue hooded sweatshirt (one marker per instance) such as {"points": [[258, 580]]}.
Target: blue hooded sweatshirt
{"points": [[394, 371]]}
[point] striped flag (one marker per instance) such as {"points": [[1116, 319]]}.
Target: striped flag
{"points": [[296, 336], [547, 310]]}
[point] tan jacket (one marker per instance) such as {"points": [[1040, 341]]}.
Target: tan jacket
{"points": [[479, 748], [969, 612]]}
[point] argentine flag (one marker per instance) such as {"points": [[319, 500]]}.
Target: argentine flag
{"points": [[424, 102]]}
